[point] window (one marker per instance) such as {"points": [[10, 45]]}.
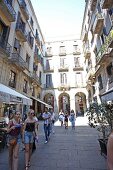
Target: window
{"points": [[49, 50], [25, 86], [110, 72], [63, 78], [77, 61], [102, 38], [95, 51], [27, 60], [12, 79], [62, 62], [49, 64], [30, 39], [40, 76], [62, 50], [31, 22], [17, 46], [48, 80], [78, 79], [100, 82], [75, 47]]}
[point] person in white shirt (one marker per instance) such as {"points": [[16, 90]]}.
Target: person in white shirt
{"points": [[47, 123]]}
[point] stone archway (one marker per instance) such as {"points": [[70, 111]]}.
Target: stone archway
{"points": [[64, 102], [49, 99], [80, 103]]}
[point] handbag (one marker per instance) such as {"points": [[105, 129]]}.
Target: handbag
{"points": [[13, 141]]}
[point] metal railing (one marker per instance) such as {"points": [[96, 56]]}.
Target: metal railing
{"points": [[16, 58], [20, 27], [9, 7], [5, 45]]}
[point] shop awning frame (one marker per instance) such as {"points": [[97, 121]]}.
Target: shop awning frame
{"points": [[8, 95], [108, 95], [37, 99]]}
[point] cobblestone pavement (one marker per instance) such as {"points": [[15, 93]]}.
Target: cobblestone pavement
{"points": [[67, 150]]}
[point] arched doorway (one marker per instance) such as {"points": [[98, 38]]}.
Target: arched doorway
{"points": [[80, 103], [64, 102], [49, 99]]}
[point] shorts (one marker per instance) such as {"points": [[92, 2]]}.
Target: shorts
{"points": [[28, 137], [17, 137]]}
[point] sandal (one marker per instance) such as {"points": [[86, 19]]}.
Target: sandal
{"points": [[26, 167], [29, 164]]}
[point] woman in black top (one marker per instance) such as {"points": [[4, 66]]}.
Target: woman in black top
{"points": [[29, 131]]}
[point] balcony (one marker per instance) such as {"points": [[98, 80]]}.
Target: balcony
{"points": [[49, 70], [106, 4], [62, 53], [105, 49], [85, 35], [93, 4], [98, 24], [35, 78], [36, 57], [78, 68], [7, 9], [48, 86], [80, 85], [18, 61], [76, 52], [63, 87], [5, 48], [20, 31], [48, 54], [87, 53], [63, 68], [24, 9], [103, 54]]}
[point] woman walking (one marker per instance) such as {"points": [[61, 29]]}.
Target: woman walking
{"points": [[14, 139], [72, 119], [29, 131], [66, 120]]}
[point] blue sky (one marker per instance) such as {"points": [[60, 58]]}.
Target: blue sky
{"points": [[59, 18]]}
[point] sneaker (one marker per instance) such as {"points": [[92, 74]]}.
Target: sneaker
{"points": [[45, 142]]}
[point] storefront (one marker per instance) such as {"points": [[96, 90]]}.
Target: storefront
{"points": [[12, 100]]}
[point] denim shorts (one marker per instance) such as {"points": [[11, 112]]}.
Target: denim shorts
{"points": [[28, 137], [17, 137]]}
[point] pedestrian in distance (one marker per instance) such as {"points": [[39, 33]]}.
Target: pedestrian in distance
{"points": [[14, 130], [47, 124], [52, 120], [66, 120], [29, 132], [61, 117], [72, 119]]}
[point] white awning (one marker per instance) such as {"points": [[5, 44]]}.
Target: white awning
{"points": [[8, 95], [108, 95], [47, 105]]}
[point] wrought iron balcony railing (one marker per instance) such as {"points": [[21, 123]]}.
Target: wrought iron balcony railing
{"points": [[5, 47], [8, 10], [98, 23], [20, 30], [106, 4], [24, 10], [18, 61]]}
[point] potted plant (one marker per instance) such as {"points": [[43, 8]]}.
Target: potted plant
{"points": [[100, 116]]}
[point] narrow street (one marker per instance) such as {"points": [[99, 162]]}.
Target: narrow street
{"points": [[67, 150]]}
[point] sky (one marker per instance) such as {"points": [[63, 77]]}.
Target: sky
{"points": [[59, 18]]}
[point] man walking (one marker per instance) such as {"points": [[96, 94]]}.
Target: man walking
{"points": [[47, 123]]}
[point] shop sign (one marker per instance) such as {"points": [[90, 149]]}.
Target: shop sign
{"points": [[15, 99]]}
